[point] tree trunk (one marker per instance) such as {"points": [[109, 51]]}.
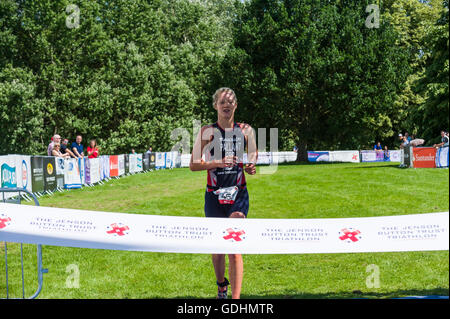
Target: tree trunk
{"points": [[302, 151]]}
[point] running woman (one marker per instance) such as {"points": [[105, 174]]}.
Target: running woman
{"points": [[219, 149]]}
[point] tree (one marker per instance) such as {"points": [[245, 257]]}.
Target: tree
{"points": [[315, 71], [128, 74], [414, 20], [433, 115]]}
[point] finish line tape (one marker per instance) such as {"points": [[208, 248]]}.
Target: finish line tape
{"points": [[134, 232]]}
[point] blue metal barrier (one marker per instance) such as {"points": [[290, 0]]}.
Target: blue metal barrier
{"points": [[16, 198]]}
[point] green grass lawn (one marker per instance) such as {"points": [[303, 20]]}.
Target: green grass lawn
{"points": [[294, 191]]}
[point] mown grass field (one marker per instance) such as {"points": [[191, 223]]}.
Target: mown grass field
{"points": [[294, 191]]}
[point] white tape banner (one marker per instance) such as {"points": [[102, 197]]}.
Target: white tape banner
{"points": [[137, 232]]}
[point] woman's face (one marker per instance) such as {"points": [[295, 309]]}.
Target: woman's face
{"points": [[92, 144], [226, 105]]}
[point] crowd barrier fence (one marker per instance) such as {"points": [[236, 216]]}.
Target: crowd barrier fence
{"points": [[4, 221], [42, 175]]}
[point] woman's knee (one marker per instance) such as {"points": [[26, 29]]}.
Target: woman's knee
{"points": [[234, 257]]}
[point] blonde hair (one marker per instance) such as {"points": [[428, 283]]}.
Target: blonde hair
{"points": [[220, 91]]}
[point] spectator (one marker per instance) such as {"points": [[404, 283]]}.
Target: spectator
{"points": [[407, 136], [405, 142], [77, 147], [295, 149], [65, 149], [149, 150], [133, 151], [378, 147], [444, 140], [386, 153], [92, 149], [56, 151], [55, 139]]}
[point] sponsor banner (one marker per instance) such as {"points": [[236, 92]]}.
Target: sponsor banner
{"points": [[407, 160], [132, 163], [442, 157], [169, 160], [37, 174], [185, 160], [282, 157], [105, 166], [153, 233], [176, 159], [368, 156], [8, 172], [82, 171], [318, 156], [8, 177], [87, 170], [23, 171], [160, 160], [152, 160], [139, 164], [94, 164], [92, 170], [72, 178], [121, 161], [49, 173], [264, 158], [60, 164], [146, 162], [127, 163], [344, 156], [424, 157], [135, 163], [113, 165], [395, 155], [380, 156]]}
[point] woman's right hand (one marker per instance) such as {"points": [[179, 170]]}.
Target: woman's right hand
{"points": [[227, 161]]}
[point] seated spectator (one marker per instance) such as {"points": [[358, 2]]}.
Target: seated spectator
{"points": [[378, 147], [56, 151], [386, 153], [133, 151], [55, 139], [65, 149], [77, 147], [92, 149], [149, 150], [444, 140]]}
